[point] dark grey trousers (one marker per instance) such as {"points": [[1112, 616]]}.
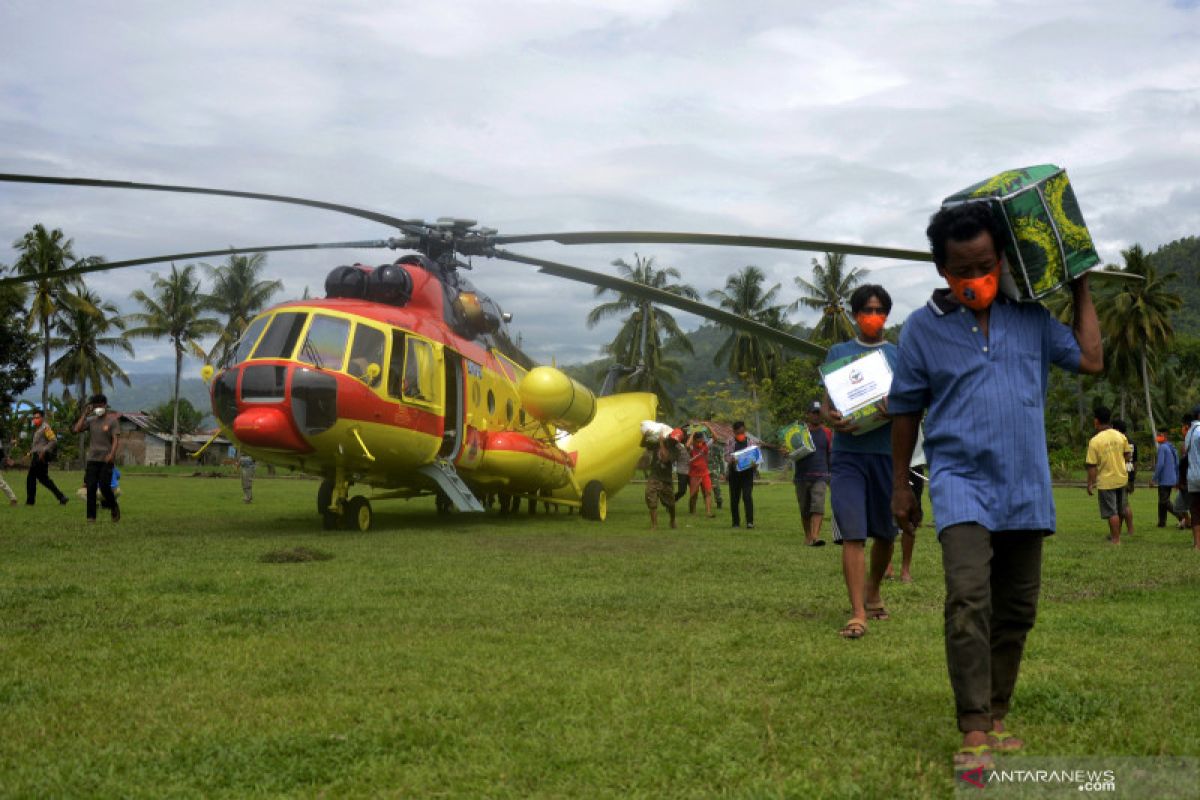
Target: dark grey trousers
{"points": [[992, 584]]}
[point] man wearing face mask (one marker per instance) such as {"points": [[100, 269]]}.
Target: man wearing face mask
{"points": [[1166, 475], [860, 474], [104, 436], [41, 452], [976, 364]]}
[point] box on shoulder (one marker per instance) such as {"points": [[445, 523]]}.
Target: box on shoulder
{"points": [[1047, 242]]}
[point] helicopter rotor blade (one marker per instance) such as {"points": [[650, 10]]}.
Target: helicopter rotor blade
{"points": [[406, 225], [726, 240], [229, 251], [661, 297]]}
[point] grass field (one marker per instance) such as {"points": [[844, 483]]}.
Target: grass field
{"points": [[537, 656]]}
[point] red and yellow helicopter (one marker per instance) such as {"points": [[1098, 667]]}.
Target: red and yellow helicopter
{"points": [[404, 378]]}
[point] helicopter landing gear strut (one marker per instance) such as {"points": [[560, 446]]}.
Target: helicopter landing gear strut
{"points": [[326, 507], [338, 509]]}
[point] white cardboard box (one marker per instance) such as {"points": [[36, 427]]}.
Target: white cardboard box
{"points": [[856, 384]]}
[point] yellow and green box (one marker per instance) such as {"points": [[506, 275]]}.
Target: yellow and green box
{"points": [[1048, 244], [797, 440]]}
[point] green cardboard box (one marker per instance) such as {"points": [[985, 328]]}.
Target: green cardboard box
{"points": [[1048, 242]]}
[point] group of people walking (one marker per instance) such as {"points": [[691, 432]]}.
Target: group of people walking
{"points": [[104, 438], [683, 462], [1112, 474]]}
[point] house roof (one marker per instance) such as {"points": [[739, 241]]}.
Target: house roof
{"points": [[141, 420]]}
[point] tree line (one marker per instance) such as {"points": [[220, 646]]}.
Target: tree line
{"points": [[57, 314]]}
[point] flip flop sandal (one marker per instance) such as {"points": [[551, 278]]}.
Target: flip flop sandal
{"points": [[854, 629], [1005, 742], [968, 758], [817, 543], [877, 613]]}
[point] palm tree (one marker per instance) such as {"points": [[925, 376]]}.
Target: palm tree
{"points": [[174, 311], [648, 332], [83, 337], [749, 358], [44, 254], [829, 292], [238, 294], [1135, 321]]}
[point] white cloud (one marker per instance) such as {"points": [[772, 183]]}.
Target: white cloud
{"points": [[826, 121]]}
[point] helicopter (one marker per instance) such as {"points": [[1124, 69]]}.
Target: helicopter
{"points": [[404, 377]]}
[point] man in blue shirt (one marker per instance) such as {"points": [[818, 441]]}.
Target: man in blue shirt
{"points": [[1191, 451], [1165, 476], [860, 482], [977, 366], [811, 477]]}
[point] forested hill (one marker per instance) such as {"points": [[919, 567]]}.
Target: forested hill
{"points": [[145, 392], [1182, 256], [696, 369]]}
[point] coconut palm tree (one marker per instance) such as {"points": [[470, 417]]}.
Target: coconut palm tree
{"points": [[83, 337], [749, 358], [44, 254], [1135, 321], [829, 292], [648, 332], [174, 311], [237, 294]]}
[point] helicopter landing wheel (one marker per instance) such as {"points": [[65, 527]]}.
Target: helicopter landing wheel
{"points": [[330, 520], [595, 502], [357, 515], [324, 495]]}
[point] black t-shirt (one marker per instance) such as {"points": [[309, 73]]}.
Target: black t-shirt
{"points": [[816, 464]]}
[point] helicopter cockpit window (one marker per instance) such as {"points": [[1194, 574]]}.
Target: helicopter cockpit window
{"points": [[280, 338], [419, 379], [366, 350], [325, 345], [249, 338]]}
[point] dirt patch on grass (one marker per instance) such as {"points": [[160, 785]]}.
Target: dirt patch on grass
{"points": [[294, 555]]}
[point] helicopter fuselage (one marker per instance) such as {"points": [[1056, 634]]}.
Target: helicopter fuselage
{"points": [[360, 391]]}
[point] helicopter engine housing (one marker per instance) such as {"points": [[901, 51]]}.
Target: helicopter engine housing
{"points": [[550, 395]]}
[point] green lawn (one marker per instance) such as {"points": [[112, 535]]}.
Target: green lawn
{"points": [[537, 656]]}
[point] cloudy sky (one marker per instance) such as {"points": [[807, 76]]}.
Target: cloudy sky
{"points": [[841, 121]]}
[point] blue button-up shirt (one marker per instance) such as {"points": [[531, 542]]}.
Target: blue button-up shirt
{"points": [[985, 430], [1166, 466]]}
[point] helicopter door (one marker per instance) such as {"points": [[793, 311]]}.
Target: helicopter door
{"points": [[453, 432]]}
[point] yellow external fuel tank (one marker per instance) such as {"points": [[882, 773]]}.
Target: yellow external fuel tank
{"points": [[550, 395]]}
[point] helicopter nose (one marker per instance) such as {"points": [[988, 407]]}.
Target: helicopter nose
{"points": [[268, 427]]}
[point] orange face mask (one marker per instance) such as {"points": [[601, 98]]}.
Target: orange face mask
{"points": [[870, 323], [1160, 438], [741, 437], [976, 293]]}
